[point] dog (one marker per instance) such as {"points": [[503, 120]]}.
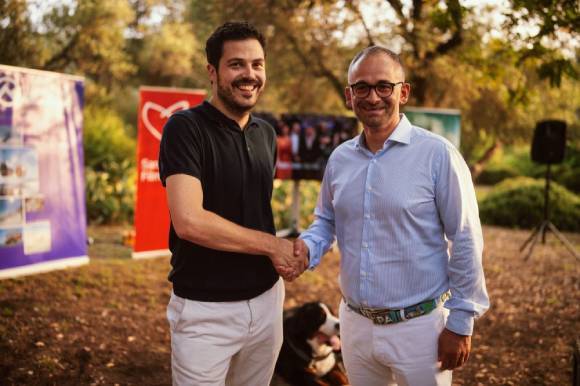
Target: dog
{"points": [[310, 353]]}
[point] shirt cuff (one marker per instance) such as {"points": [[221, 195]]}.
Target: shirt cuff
{"points": [[312, 261], [460, 322]]}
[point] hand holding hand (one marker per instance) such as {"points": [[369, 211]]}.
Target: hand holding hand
{"points": [[286, 263], [301, 252], [453, 350]]}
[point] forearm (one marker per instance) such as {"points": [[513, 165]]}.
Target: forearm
{"points": [[210, 230], [467, 284]]}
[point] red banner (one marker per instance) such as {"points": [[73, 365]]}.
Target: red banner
{"points": [[156, 104]]}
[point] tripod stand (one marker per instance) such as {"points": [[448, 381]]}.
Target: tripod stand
{"points": [[543, 227]]}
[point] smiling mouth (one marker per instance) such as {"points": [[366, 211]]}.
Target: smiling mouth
{"points": [[373, 109], [247, 87]]}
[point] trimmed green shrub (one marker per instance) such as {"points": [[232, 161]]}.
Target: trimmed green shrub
{"points": [[519, 203], [513, 161], [495, 175]]}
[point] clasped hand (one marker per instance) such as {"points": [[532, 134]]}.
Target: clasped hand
{"points": [[290, 259]]}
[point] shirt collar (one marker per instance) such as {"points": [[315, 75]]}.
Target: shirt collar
{"points": [[217, 116], [402, 133]]}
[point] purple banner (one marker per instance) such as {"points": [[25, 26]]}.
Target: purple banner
{"points": [[42, 197]]}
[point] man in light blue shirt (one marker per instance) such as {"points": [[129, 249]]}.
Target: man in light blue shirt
{"points": [[393, 197]]}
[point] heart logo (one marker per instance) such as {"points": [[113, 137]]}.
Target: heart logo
{"points": [[164, 113]]}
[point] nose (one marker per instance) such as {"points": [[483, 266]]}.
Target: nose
{"points": [[247, 70], [337, 326], [373, 96]]}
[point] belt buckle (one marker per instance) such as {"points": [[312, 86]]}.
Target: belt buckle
{"points": [[365, 312], [382, 319]]}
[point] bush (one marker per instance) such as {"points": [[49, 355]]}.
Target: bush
{"points": [[515, 161], [110, 172], [495, 175], [519, 203], [282, 203]]}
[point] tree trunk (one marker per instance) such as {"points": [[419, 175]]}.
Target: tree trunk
{"points": [[480, 164]]}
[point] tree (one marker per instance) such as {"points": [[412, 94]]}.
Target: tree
{"points": [[88, 39], [18, 43], [556, 25]]}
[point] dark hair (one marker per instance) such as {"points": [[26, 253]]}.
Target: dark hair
{"points": [[372, 50], [239, 30]]}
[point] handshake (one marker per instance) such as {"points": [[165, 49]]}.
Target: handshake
{"points": [[289, 258]]}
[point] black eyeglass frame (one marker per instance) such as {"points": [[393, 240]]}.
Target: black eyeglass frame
{"points": [[374, 86]]}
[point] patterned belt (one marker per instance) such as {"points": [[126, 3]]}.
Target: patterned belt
{"points": [[389, 316]]}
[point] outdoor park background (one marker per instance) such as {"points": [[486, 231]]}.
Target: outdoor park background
{"points": [[505, 65]]}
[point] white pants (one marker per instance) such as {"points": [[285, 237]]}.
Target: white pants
{"points": [[403, 354], [226, 343]]}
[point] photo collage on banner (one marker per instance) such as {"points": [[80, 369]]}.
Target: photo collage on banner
{"points": [[42, 207], [305, 142]]}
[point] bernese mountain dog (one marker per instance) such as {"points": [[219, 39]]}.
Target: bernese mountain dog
{"points": [[310, 353]]}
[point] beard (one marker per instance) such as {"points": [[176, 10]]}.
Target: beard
{"points": [[236, 103]]}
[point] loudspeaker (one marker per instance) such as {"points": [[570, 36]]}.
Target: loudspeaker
{"points": [[549, 142]]}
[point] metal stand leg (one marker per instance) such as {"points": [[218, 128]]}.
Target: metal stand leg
{"points": [[534, 232], [563, 240], [536, 235]]}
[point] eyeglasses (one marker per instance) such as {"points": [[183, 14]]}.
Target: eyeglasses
{"points": [[383, 89]]}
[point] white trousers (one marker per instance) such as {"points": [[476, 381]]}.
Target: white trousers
{"points": [[403, 354], [226, 343]]}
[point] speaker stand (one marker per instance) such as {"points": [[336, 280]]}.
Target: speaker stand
{"points": [[545, 226]]}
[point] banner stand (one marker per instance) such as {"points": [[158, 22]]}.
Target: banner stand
{"points": [[43, 224], [156, 104], [151, 254]]}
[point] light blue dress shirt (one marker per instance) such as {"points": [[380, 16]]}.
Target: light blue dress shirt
{"points": [[393, 213]]}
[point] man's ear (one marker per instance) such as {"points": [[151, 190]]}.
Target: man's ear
{"points": [[348, 97], [405, 93], [212, 73]]}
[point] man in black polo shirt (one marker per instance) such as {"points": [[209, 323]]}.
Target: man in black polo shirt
{"points": [[217, 164]]}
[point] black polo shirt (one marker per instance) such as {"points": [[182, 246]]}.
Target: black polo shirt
{"points": [[236, 169]]}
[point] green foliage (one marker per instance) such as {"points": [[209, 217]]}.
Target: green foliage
{"points": [[105, 139], [519, 203], [282, 203], [168, 56], [16, 35], [111, 193], [109, 167], [492, 176], [89, 38], [516, 161]]}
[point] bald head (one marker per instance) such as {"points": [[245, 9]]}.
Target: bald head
{"points": [[372, 51]]}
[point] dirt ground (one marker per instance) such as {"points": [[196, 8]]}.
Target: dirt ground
{"points": [[104, 323]]}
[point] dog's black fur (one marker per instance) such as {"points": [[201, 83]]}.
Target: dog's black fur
{"points": [[303, 361]]}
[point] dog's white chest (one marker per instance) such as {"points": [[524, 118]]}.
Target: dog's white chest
{"points": [[321, 367]]}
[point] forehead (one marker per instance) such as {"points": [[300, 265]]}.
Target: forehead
{"points": [[374, 67], [249, 49]]}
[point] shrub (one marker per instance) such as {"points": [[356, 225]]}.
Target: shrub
{"points": [[515, 161], [519, 203], [495, 175], [111, 193], [110, 172], [282, 203]]}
